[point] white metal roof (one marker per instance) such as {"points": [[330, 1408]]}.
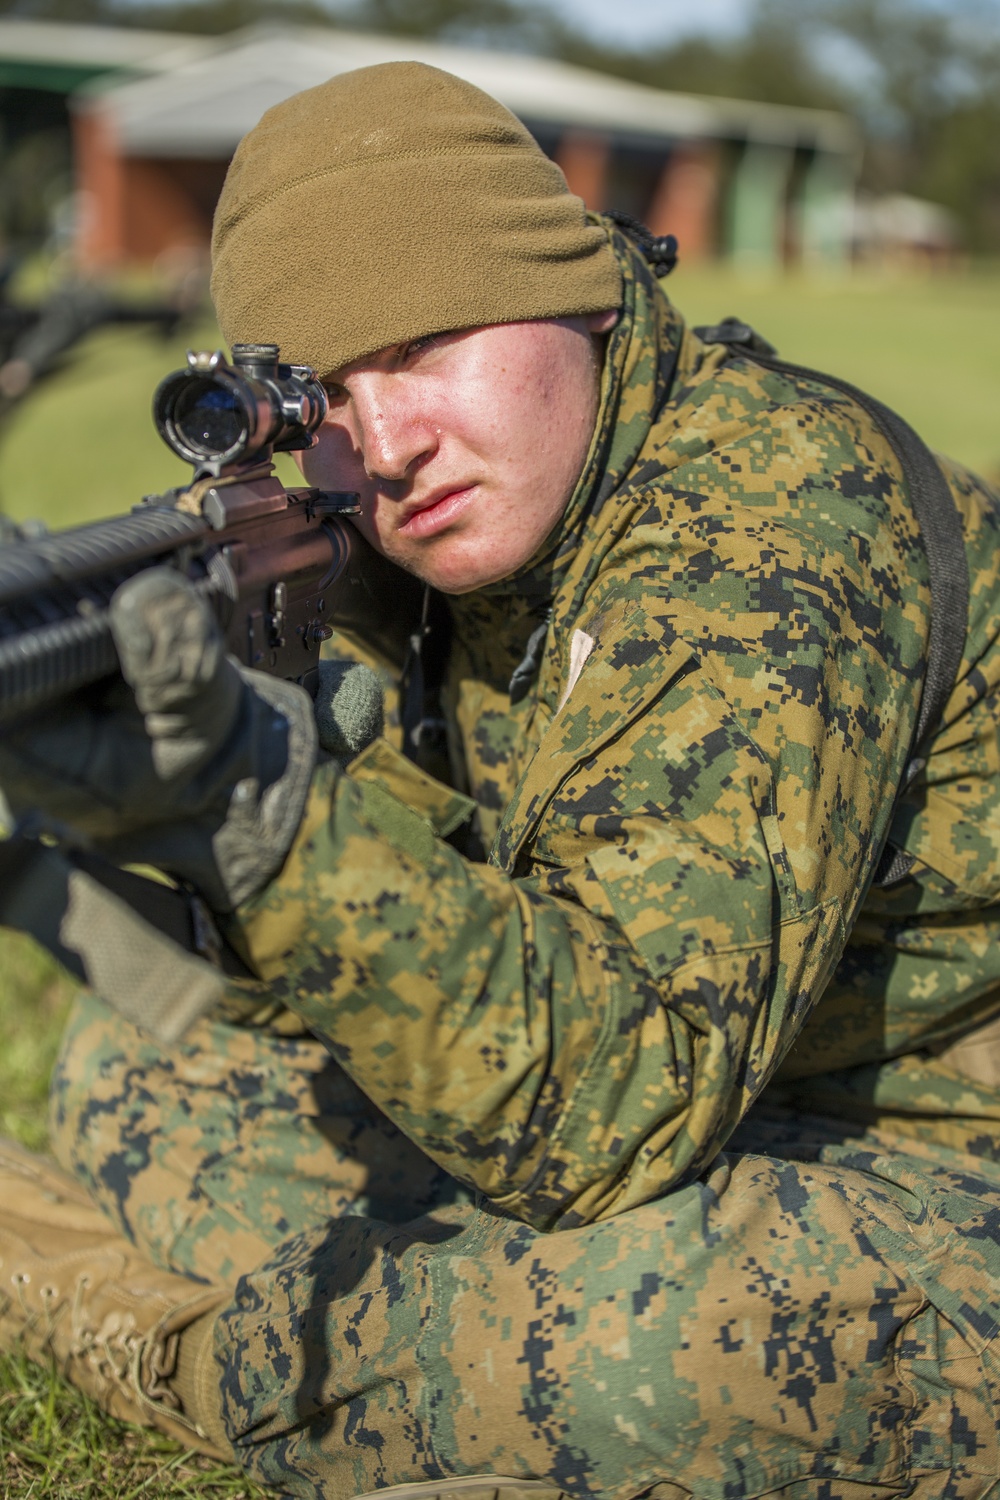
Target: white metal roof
{"points": [[96, 46], [204, 104]]}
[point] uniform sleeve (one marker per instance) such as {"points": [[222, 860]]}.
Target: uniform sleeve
{"points": [[579, 1024], [922, 964]]}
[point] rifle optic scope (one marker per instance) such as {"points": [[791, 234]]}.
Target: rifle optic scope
{"points": [[214, 414]]}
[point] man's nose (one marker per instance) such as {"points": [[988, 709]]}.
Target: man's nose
{"points": [[392, 432]]}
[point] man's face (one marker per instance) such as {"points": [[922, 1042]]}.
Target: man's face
{"points": [[464, 447]]}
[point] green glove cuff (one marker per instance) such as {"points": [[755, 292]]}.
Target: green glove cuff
{"points": [[262, 821], [252, 794]]}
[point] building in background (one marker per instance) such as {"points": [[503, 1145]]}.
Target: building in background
{"points": [[41, 66], [904, 232], [58, 58], [155, 120]]}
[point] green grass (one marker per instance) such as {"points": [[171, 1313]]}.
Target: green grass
{"points": [[34, 997], [84, 447], [55, 1444]]}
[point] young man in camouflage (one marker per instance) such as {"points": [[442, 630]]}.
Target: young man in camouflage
{"points": [[658, 1152]]}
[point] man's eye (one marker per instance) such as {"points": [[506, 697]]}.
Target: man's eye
{"points": [[415, 345], [334, 392]]}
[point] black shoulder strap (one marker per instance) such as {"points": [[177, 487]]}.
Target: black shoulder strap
{"points": [[421, 683], [944, 545]]}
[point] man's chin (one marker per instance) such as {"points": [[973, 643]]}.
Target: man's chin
{"points": [[458, 572], [459, 581]]}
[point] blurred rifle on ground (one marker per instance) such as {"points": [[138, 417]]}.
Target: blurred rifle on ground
{"points": [[35, 339]]}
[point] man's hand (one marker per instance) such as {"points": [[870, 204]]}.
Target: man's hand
{"points": [[195, 767]]}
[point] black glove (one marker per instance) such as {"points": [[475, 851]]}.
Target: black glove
{"points": [[196, 767]]}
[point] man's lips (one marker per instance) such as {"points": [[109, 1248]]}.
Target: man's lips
{"points": [[436, 511]]}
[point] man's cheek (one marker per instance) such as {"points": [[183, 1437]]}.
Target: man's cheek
{"points": [[333, 462], [366, 522], [310, 462]]}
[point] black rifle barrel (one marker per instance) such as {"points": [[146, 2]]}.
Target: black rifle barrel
{"points": [[85, 552], [54, 591]]}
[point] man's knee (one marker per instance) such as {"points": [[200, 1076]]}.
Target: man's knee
{"points": [[98, 1107], [124, 1119], [213, 1151]]}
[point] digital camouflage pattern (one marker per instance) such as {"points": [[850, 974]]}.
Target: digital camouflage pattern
{"points": [[787, 1323], [687, 838], [669, 955]]}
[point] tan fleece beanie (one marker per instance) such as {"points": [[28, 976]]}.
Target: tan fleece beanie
{"points": [[393, 202]]}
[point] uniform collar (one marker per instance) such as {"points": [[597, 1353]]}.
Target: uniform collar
{"points": [[497, 622], [639, 365]]}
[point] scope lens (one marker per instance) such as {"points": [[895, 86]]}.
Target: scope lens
{"points": [[208, 418]]}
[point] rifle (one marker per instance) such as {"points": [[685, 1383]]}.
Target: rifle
{"points": [[35, 341], [281, 568]]}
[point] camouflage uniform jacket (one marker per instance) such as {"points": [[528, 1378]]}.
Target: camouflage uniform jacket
{"points": [[685, 812]]}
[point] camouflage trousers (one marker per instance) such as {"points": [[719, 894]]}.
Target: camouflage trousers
{"points": [[811, 1318]]}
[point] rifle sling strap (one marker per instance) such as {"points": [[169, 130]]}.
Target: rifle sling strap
{"points": [[941, 531], [150, 951]]}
